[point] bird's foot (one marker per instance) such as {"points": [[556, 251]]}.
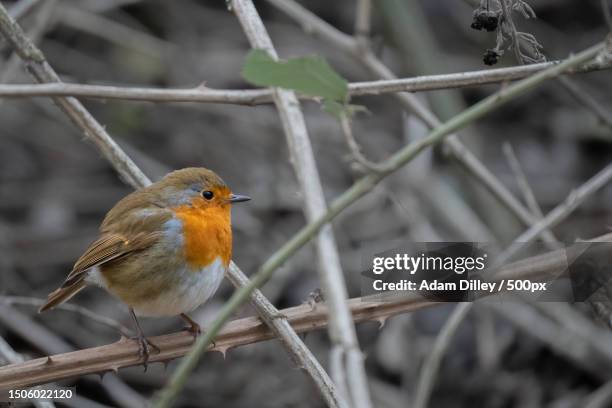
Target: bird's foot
{"points": [[144, 347], [194, 328]]}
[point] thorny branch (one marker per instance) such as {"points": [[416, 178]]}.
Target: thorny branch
{"points": [[303, 318], [251, 97]]}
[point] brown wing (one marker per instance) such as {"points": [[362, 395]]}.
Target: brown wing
{"points": [[107, 248], [118, 239]]}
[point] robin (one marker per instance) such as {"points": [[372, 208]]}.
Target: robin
{"points": [[162, 250]]}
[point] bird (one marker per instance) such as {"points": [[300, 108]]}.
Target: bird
{"points": [[162, 250]]}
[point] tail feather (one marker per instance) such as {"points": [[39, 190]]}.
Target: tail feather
{"points": [[62, 294]]}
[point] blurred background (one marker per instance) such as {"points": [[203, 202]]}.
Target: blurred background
{"points": [[55, 189]]}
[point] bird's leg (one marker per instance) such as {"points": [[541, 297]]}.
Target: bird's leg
{"points": [[193, 328], [143, 342]]}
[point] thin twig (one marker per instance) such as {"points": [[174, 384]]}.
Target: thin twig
{"points": [[40, 24], [582, 96], [559, 213], [431, 364], [118, 34], [298, 351], [355, 149], [581, 350], [22, 8], [303, 318], [521, 180], [70, 307], [523, 185]]}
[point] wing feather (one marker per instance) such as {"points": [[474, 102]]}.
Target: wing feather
{"points": [[107, 248]]}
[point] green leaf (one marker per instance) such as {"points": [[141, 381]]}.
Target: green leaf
{"points": [[311, 75]]}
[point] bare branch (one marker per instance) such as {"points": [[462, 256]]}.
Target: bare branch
{"points": [[205, 94], [559, 213], [581, 350], [521, 180], [432, 362], [298, 351], [198, 94], [40, 23], [10, 355], [587, 100], [355, 149], [524, 186], [70, 307], [48, 342]]}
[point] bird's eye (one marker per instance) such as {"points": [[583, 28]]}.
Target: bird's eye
{"points": [[207, 194]]}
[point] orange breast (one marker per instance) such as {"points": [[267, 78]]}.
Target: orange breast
{"points": [[207, 234]]}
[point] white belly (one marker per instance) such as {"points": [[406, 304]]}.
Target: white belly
{"points": [[195, 288]]}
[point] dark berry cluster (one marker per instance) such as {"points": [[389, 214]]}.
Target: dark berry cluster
{"points": [[485, 20], [491, 57]]}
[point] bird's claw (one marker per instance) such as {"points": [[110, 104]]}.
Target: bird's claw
{"points": [[144, 346]]}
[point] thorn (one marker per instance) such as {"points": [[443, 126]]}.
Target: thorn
{"points": [[202, 86], [115, 369], [101, 375], [314, 297], [381, 322], [48, 361], [222, 349], [166, 363]]}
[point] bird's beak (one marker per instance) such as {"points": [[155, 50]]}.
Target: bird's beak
{"points": [[237, 198]]}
